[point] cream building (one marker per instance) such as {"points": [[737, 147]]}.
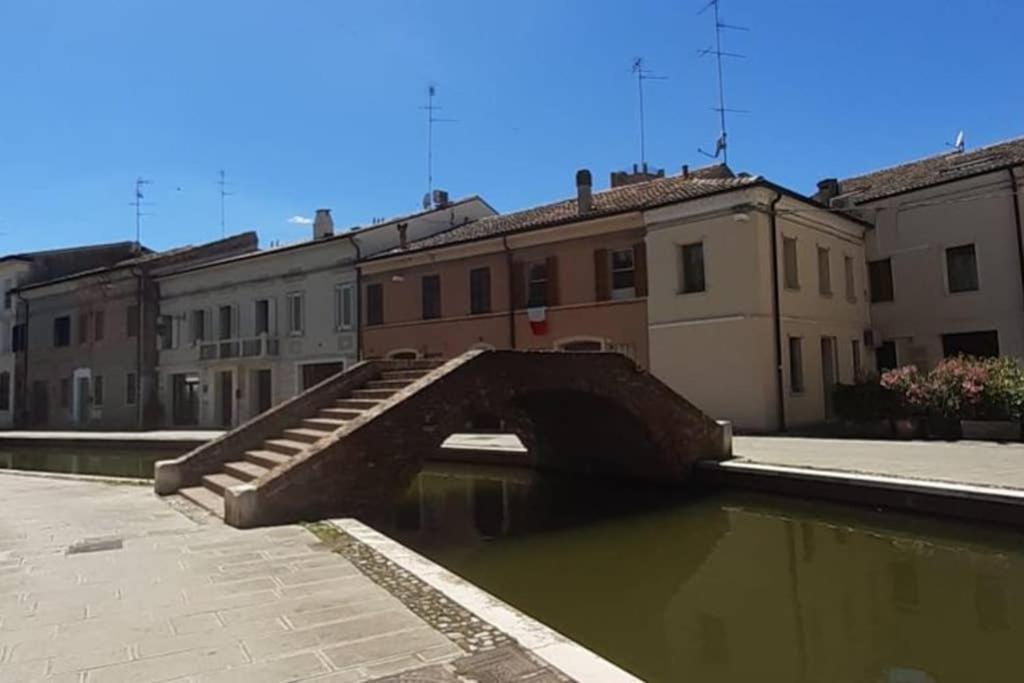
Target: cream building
{"points": [[946, 258], [243, 334]]}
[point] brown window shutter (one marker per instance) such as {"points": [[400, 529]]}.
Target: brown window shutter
{"points": [[518, 285], [602, 275], [552, 268], [640, 268]]}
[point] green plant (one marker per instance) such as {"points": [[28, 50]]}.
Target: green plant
{"points": [[866, 400], [961, 387]]}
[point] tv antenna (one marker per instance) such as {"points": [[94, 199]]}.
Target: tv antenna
{"points": [[222, 190], [721, 145], [957, 146], [140, 182], [643, 74], [431, 108]]}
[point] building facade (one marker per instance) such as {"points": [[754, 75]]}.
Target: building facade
{"points": [[91, 340], [945, 255], [246, 333]]}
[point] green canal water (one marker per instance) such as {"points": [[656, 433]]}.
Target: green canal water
{"points": [[97, 461], [730, 587]]}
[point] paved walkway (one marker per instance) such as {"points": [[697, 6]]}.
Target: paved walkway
{"points": [[963, 462], [106, 582]]}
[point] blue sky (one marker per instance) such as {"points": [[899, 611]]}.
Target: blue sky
{"points": [[314, 103]]}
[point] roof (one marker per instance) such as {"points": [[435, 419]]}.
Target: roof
{"points": [[933, 170], [32, 255], [626, 198]]}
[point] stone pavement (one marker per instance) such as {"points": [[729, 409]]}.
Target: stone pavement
{"points": [[106, 582], [962, 462]]}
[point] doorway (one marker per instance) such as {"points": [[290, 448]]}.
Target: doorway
{"points": [[82, 400], [226, 394], [828, 373], [40, 414], [263, 391], [185, 399]]}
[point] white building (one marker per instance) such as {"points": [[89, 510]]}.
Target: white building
{"points": [[243, 334]]}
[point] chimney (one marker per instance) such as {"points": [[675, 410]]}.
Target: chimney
{"points": [[686, 170], [403, 238], [828, 188], [323, 225], [584, 200]]}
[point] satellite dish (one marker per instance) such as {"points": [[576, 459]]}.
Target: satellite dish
{"points": [[426, 201], [959, 144]]}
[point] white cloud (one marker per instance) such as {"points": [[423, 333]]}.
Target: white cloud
{"points": [[300, 220]]}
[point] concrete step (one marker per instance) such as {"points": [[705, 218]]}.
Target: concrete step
{"points": [[326, 424], [204, 498], [219, 482], [379, 394], [339, 414], [393, 384], [420, 364], [244, 470], [356, 403], [408, 375], [269, 459], [285, 446], [304, 434]]}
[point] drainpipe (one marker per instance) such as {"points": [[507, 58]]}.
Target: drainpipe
{"points": [[1016, 222], [780, 390], [511, 294], [358, 299]]}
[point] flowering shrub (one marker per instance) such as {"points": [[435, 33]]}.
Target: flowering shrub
{"points": [[961, 388]]}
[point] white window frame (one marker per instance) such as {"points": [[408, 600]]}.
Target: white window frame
{"points": [[293, 329], [344, 292]]}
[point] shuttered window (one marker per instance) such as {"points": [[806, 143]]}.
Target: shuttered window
{"points": [[791, 271], [480, 290], [431, 293], [374, 304]]}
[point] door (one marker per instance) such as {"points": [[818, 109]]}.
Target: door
{"points": [[314, 373], [828, 372], [82, 401], [226, 392], [185, 399], [40, 403], [264, 391]]}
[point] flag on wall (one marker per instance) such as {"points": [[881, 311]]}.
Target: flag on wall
{"points": [[538, 318]]}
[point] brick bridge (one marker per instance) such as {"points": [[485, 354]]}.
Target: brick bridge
{"points": [[358, 438]]}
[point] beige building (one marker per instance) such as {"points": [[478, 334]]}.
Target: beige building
{"points": [[946, 261]]}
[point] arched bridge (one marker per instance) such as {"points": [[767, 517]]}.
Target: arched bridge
{"points": [[359, 438]]}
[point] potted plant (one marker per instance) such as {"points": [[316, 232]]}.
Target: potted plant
{"points": [[996, 414], [911, 401]]}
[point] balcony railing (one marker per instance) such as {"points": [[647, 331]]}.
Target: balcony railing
{"points": [[261, 346]]}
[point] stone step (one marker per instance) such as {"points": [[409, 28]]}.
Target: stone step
{"points": [[393, 384], [244, 470], [269, 459], [220, 481], [379, 394], [286, 446], [408, 375], [327, 424], [204, 498], [339, 414], [419, 364], [304, 434], [356, 403]]}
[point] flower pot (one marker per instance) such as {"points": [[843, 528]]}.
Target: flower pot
{"points": [[904, 428], [991, 430]]}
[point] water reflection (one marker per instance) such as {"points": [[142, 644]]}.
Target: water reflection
{"points": [[106, 462], [730, 588]]}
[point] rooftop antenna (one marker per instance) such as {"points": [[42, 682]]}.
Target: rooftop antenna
{"points": [[431, 120], [721, 145], [138, 204], [958, 146], [643, 74], [222, 188]]}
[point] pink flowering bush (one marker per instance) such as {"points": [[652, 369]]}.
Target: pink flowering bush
{"points": [[962, 387]]}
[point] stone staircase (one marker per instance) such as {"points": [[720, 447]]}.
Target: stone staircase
{"points": [[293, 441]]}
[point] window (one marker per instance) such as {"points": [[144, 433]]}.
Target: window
{"points": [[431, 291], [344, 305], [824, 272], [855, 350], [165, 332], [198, 325], [980, 344], [225, 318], [692, 260], [623, 274], [880, 276], [796, 365], [65, 392], [18, 340], [885, 357], [131, 389], [537, 284], [62, 331], [261, 317], [480, 290], [99, 322], [132, 321], [97, 390], [374, 304], [296, 313], [83, 328], [5, 391], [791, 274], [962, 269], [851, 291]]}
